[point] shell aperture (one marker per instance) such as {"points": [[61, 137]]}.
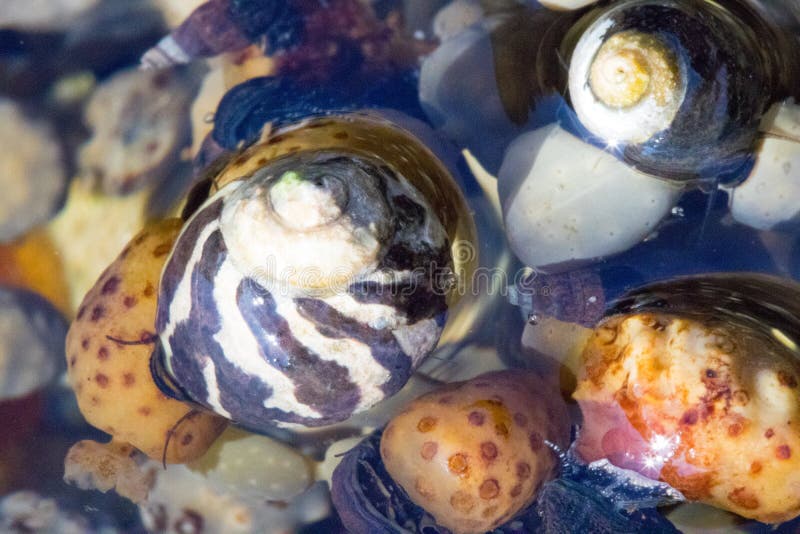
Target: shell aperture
{"points": [[309, 285]]}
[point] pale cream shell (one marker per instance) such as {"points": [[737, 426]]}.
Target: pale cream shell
{"points": [[635, 124]]}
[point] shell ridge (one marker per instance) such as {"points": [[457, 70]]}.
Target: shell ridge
{"points": [[233, 390], [190, 343], [318, 383], [385, 349], [178, 262]]}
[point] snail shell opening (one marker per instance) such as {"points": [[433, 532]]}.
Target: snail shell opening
{"points": [[627, 87]]}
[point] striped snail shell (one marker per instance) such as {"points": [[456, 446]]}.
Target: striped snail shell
{"points": [[308, 286], [679, 86]]}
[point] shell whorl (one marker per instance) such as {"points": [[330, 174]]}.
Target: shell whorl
{"points": [[627, 87], [631, 66], [314, 346], [325, 217]]}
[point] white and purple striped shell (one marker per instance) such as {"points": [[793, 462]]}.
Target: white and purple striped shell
{"points": [[305, 292]]}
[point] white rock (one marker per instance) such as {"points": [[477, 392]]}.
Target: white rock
{"points": [[32, 173], [783, 120], [251, 466], [566, 200], [185, 501], [558, 340], [566, 5], [333, 456], [771, 194], [455, 17]]}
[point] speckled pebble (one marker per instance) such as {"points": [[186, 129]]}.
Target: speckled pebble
{"points": [[111, 377], [252, 466], [106, 466], [139, 121], [473, 454], [31, 172]]}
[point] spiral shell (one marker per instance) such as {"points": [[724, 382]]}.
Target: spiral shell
{"points": [[632, 71], [679, 85], [219, 26], [305, 289]]}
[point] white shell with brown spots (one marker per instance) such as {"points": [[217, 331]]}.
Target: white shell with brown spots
{"points": [[473, 454], [710, 409]]}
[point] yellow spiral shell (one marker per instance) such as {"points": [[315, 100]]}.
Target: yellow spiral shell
{"points": [[630, 66], [625, 87]]}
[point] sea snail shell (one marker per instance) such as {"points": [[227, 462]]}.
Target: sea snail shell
{"points": [[679, 86], [308, 287], [694, 381], [632, 71]]}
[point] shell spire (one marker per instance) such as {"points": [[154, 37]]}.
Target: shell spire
{"points": [[308, 287], [634, 70], [208, 31]]}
